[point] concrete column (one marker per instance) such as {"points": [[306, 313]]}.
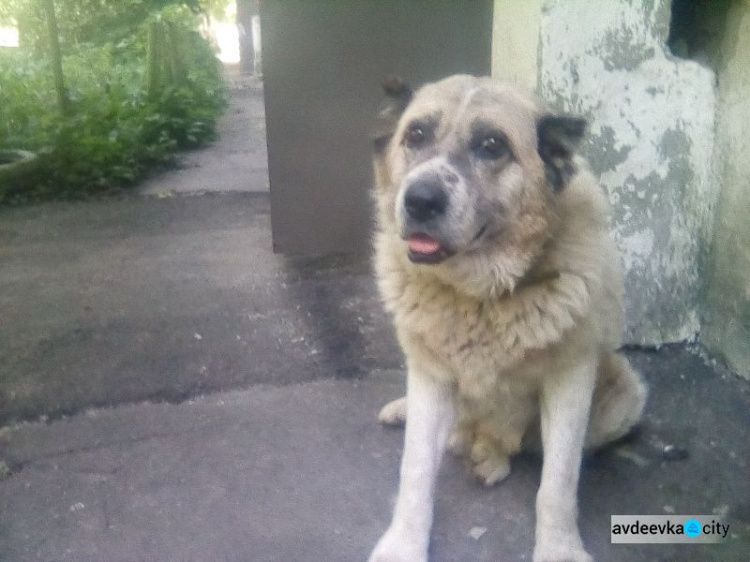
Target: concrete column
{"points": [[727, 326], [515, 41]]}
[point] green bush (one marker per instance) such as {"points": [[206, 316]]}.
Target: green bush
{"points": [[116, 131]]}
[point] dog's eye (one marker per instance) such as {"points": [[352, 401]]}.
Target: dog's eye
{"points": [[491, 147], [415, 136]]}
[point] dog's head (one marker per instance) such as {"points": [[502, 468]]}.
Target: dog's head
{"points": [[467, 171]]}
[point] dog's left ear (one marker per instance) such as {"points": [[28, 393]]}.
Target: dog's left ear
{"points": [[558, 137], [398, 94]]}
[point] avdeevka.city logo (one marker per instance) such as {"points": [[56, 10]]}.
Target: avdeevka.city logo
{"points": [[668, 529], [693, 528]]}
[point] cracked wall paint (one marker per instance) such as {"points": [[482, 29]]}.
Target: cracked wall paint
{"points": [[651, 141]]}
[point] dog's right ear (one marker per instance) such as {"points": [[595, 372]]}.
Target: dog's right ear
{"points": [[398, 94], [558, 137]]}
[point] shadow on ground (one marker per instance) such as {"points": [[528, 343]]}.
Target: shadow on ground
{"points": [[160, 299]]}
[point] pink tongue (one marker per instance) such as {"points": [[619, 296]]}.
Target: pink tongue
{"points": [[421, 244]]}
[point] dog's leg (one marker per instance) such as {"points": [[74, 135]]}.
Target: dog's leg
{"points": [[619, 398], [565, 402], [430, 420]]}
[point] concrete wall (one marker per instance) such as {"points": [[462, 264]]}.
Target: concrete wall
{"points": [[651, 141], [515, 41], [727, 327]]}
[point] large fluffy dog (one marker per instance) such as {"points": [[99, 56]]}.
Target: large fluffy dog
{"points": [[493, 256]]}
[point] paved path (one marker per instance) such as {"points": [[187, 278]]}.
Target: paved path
{"points": [[237, 161], [203, 399]]}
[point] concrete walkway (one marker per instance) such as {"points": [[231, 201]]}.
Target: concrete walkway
{"points": [[205, 400], [237, 161]]}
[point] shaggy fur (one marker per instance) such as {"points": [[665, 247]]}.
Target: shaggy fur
{"points": [[516, 325]]}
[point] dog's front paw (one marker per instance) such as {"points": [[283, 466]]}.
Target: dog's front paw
{"points": [[490, 465], [396, 546], [393, 413], [492, 470], [560, 547]]}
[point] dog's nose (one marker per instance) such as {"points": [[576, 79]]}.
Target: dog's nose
{"points": [[425, 200]]}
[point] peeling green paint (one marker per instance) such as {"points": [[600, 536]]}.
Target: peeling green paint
{"points": [[656, 17], [601, 151], [620, 51], [651, 139], [663, 154]]}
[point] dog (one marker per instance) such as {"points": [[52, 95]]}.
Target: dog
{"points": [[493, 256]]}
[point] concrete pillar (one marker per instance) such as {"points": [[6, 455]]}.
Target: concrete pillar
{"points": [[727, 326], [515, 41]]}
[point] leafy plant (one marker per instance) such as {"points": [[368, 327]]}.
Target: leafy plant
{"points": [[114, 132]]}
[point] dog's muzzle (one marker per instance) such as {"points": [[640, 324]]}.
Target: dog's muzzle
{"points": [[425, 200], [425, 203]]}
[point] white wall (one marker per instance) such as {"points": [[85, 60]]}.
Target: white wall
{"points": [[651, 141]]}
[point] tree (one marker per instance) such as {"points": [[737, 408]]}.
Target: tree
{"points": [[55, 56]]}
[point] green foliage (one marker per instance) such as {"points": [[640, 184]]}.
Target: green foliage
{"points": [[115, 132], [84, 22], [215, 8]]}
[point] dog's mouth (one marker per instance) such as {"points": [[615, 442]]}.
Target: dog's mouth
{"points": [[423, 248], [426, 249]]}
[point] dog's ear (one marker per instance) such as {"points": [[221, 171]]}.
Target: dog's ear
{"points": [[558, 137], [398, 94]]}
